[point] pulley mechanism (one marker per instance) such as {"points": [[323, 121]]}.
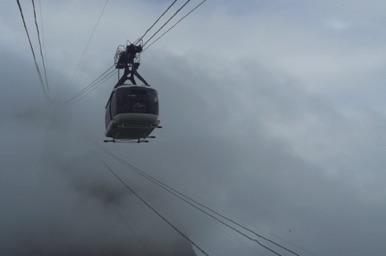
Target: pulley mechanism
{"points": [[128, 58]]}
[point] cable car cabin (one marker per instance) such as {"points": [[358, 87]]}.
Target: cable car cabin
{"points": [[131, 113]]}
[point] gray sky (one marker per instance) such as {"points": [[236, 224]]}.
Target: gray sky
{"points": [[272, 112]]}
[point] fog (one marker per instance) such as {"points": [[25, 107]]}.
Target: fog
{"points": [[272, 114]]}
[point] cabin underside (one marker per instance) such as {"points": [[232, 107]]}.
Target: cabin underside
{"points": [[131, 126]]}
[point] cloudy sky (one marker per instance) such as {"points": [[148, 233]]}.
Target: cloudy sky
{"points": [[272, 112]]}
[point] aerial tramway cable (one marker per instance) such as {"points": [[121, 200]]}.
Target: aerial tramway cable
{"points": [[154, 210], [93, 85], [97, 84], [44, 90], [186, 199], [197, 205], [155, 22], [88, 42], [40, 47], [167, 21], [175, 24]]}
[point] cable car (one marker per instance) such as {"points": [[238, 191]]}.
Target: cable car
{"points": [[131, 110], [131, 113]]}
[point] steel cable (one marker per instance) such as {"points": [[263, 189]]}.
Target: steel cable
{"points": [[154, 210], [175, 24], [40, 47], [88, 43], [45, 93], [138, 40], [167, 21], [94, 83], [186, 199]]}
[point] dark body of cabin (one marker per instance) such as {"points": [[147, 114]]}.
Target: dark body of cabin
{"points": [[131, 112]]}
